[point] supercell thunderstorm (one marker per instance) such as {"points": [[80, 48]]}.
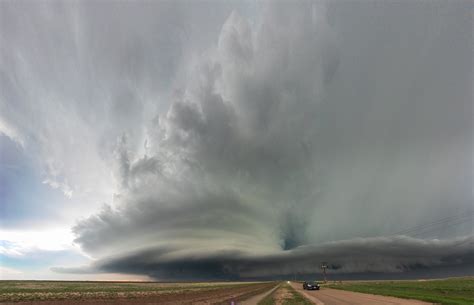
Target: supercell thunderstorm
{"points": [[296, 134]]}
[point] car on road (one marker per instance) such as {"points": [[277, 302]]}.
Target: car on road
{"points": [[311, 286]]}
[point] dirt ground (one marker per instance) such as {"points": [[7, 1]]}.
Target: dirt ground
{"points": [[224, 295]]}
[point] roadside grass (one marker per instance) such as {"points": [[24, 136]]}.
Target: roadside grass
{"points": [[451, 291], [297, 298], [15, 291], [268, 300], [285, 295]]}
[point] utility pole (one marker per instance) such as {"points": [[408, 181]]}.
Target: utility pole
{"points": [[324, 266]]}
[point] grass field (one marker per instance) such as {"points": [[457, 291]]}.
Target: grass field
{"points": [[15, 291], [452, 291]]}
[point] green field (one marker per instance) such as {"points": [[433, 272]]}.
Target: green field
{"points": [[452, 291]]}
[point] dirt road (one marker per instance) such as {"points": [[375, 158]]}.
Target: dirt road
{"points": [[327, 296]]}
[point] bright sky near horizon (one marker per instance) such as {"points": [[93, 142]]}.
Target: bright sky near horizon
{"points": [[243, 139]]}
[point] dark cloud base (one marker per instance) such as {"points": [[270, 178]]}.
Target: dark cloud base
{"points": [[381, 257]]}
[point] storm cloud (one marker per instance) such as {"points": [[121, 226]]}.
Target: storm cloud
{"points": [[398, 255], [301, 133], [231, 182], [234, 150]]}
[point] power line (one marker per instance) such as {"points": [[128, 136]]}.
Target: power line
{"points": [[438, 222]]}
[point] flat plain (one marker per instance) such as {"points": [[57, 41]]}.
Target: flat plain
{"points": [[452, 291], [66, 292]]}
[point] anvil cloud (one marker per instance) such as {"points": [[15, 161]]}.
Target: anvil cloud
{"points": [[299, 133]]}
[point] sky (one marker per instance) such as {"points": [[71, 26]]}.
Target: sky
{"points": [[203, 140]]}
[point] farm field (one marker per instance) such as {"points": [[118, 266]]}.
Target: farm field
{"points": [[63, 292], [451, 291]]}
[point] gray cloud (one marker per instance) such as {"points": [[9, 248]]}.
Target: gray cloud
{"points": [[397, 254], [223, 146], [243, 189], [76, 76]]}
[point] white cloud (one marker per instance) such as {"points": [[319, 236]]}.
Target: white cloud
{"points": [[10, 132], [18, 243]]}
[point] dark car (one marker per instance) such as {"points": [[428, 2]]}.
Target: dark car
{"points": [[310, 286]]}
